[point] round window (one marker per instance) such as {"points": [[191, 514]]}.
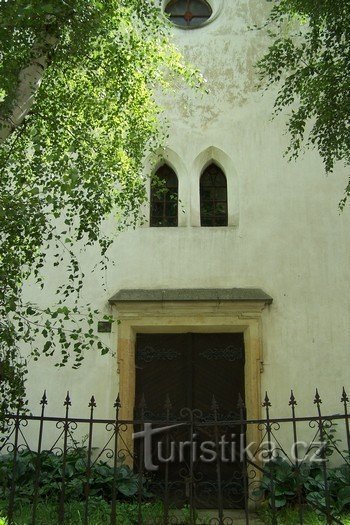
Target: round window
{"points": [[188, 13]]}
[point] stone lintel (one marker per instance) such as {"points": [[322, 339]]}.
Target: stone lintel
{"points": [[192, 294]]}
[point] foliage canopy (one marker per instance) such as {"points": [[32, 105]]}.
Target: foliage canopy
{"points": [[77, 116], [309, 59]]}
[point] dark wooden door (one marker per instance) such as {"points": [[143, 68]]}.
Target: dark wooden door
{"points": [[189, 369]]}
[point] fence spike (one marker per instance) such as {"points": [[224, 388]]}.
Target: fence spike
{"points": [[292, 400], [345, 398], [117, 403], [317, 400], [240, 402], [266, 402], [67, 401], [214, 404], [167, 404], [43, 401], [92, 403]]}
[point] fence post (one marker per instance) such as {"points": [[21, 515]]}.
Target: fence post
{"points": [[92, 406], [43, 404], [345, 401], [14, 467], [318, 402], [293, 403], [267, 405], [117, 406], [243, 458], [141, 462], [168, 407], [192, 478], [61, 508], [214, 408]]}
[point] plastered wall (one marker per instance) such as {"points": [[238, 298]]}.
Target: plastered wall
{"points": [[285, 234]]}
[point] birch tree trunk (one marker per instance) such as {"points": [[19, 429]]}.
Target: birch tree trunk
{"points": [[29, 81]]}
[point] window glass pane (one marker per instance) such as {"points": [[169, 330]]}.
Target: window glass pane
{"points": [[206, 180], [213, 197], [171, 222], [220, 194], [220, 181], [158, 222], [194, 21], [188, 12], [171, 180], [157, 209], [220, 208], [206, 196], [171, 209], [158, 195], [199, 8], [178, 7], [179, 21], [164, 198], [220, 221]]}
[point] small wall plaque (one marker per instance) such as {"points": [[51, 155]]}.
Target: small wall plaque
{"points": [[104, 327]]}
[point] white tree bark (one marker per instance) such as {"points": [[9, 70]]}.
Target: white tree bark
{"points": [[29, 82]]}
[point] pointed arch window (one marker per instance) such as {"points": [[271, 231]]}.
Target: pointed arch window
{"points": [[213, 197], [164, 197], [188, 13]]}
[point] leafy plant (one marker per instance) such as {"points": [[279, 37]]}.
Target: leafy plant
{"points": [[283, 484], [338, 488], [100, 479]]}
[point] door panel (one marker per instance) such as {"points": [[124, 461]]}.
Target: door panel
{"points": [[218, 361], [162, 370], [190, 369]]}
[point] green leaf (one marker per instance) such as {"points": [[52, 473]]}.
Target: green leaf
{"points": [[47, 346]]}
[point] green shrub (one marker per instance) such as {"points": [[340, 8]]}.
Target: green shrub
{"points": [[280, 481], [50, 481], [338, 481], [287, 483]]}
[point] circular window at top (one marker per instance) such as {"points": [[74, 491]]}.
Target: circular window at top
{"points": [[188, 13]]}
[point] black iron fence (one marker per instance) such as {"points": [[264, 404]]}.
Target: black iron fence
{"points": [[189, 466]]}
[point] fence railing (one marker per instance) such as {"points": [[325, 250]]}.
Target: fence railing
{"points": [[176, 466]]}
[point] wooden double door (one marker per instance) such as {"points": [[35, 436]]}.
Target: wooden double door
{"points": [[189, 370]]}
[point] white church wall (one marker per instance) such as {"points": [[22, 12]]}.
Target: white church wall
{"points": [[285, 234]]}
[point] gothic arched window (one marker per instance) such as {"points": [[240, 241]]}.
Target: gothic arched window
{"points": [[188, 13], [213, 197], [164, 197]]}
